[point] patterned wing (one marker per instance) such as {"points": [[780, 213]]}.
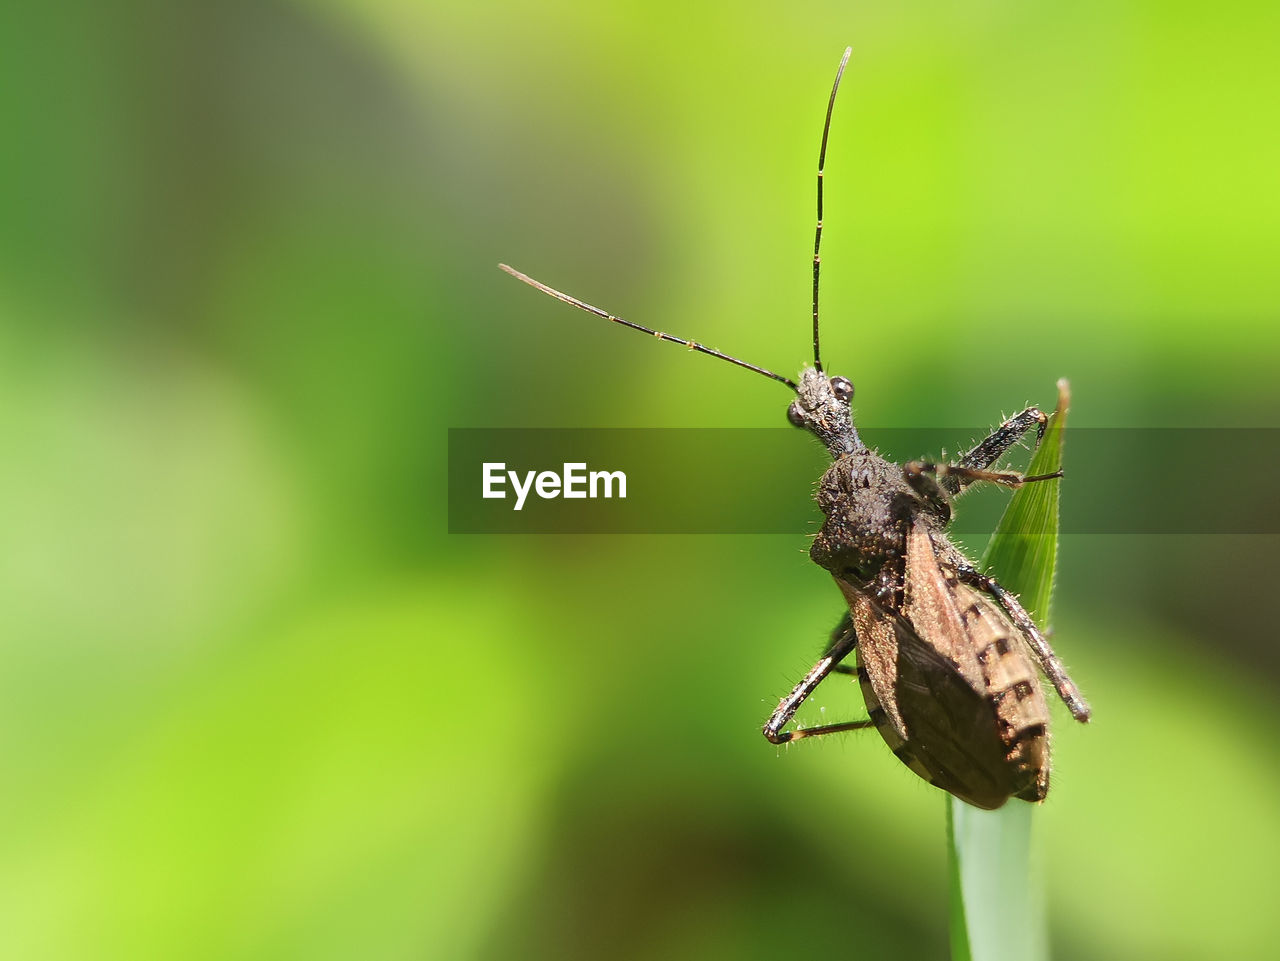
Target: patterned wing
{"points": [[949, 685]]}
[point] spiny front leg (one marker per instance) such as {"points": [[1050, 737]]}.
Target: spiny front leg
{"points": [[992, 448]]}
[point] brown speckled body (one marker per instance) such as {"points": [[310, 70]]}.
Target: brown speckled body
{"points": [[946, 659], [946, 677]]}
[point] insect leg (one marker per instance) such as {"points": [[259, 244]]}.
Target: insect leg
{"points": [[846, 624], [967, 475], [843, 642], [1049, 662], [954, 475], [992, 448], [930, 481], [989, 450], [919, 475]]}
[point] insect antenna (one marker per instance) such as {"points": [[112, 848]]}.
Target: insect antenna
{"points": [[817, 235], [692, 345]]}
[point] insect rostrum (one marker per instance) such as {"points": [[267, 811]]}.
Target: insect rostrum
{"points": [[945, 657]]}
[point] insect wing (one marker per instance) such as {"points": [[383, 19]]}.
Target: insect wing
{"points": [[973, 634], [926, 710], [930, 605]]}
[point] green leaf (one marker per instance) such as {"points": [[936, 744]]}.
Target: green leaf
{"points": [[997, 897], [1023, 552]]}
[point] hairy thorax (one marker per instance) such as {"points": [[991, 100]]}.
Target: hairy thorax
{"points": [[869, 508]]}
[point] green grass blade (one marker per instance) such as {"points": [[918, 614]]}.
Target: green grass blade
{"points": [[1023, 552], [997, 899], [959, 926]]}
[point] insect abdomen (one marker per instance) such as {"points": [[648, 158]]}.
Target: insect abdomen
{"points": [[1013, 685]]}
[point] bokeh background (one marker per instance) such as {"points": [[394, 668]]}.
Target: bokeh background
{"points": [[256, 702]]}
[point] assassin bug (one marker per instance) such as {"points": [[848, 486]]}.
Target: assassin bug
{"points": [[945, 656]]}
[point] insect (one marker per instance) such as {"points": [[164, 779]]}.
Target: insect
{"points": [[944, 655]]}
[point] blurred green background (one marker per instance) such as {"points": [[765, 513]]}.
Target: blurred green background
{"points": [[257, 703]]}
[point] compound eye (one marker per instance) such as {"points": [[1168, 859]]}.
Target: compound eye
{"points": [[842, 387], [795, 414]]}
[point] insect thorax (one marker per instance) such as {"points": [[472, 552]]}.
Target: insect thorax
{"points": [[869, 508]]}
